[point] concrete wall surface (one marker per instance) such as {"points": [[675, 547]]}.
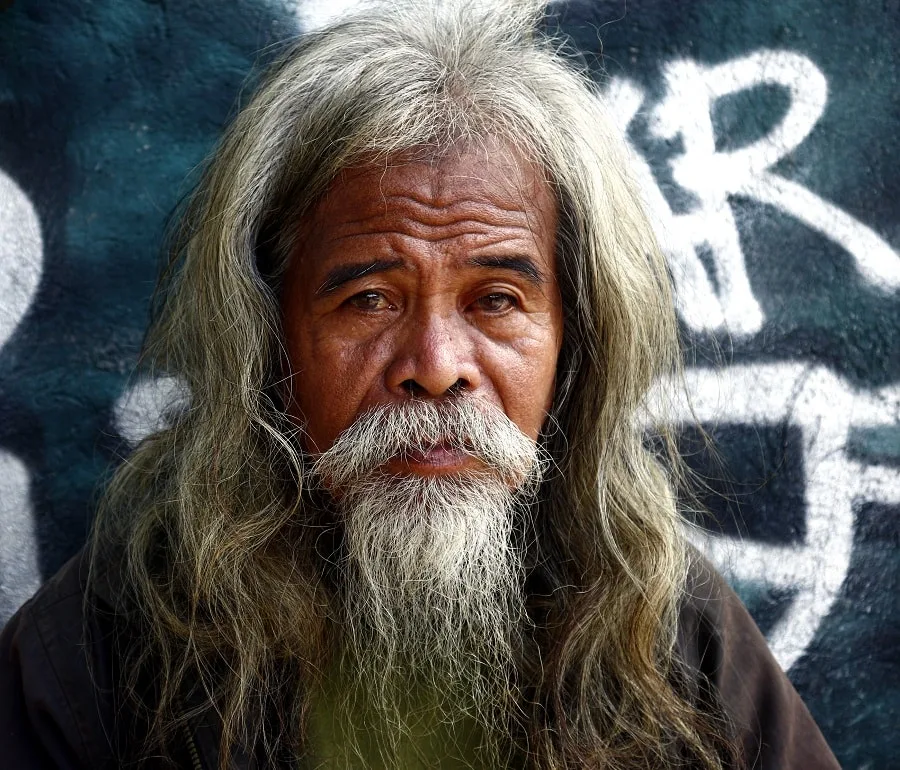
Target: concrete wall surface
{"points": [[766, 139]]}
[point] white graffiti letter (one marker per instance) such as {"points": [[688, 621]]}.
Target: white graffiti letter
{"points": [[21, 263], [825, 408], [714, 176]]}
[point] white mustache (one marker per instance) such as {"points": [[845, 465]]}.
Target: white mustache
{"points": [[471, 426]]}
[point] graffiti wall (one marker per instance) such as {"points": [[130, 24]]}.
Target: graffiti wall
{"points": [[765, 138]]}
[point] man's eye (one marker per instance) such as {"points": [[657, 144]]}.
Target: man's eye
{"points": [[369, 300], [496, 303]]}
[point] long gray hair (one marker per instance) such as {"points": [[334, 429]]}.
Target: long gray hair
{"points": [[220, 562]]}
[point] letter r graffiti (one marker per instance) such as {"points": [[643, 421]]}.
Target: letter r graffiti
{"points": [[713, 177]]}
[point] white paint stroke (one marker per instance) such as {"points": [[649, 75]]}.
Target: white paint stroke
{"points": [[715, 177], [21, 255], [825, 408], [148, 406], [879, 484], [21, 265], [315, 14], [876, 261], [695, 296], [20, 575]]}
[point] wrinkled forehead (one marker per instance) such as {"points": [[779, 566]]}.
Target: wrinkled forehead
{"points": [[490, 172]]}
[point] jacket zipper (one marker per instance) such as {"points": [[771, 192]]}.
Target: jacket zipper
{"points": [[196, 764]]}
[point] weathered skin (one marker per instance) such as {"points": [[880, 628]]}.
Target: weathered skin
{"points": [[426, 320]]}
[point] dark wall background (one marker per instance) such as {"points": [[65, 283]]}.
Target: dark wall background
{"points": [[765, 134]]}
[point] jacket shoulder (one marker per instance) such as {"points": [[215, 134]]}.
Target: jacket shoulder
{"points": [[724, 650], [56, 676]]}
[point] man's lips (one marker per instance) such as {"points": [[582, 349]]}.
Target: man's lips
{"points": [[441, 458]]}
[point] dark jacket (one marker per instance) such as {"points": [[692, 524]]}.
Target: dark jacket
{"points": [[60, 706]]}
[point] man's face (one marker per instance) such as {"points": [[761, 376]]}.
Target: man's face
{"points": [[427, 280]]}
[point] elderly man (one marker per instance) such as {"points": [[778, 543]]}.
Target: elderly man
{"points": [[408, 518]]}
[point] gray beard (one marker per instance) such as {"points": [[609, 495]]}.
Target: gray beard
{"points": [[431, 572], [432, 578]]}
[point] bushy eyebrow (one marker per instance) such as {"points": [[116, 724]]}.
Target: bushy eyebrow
{"points": [[338, 276], [523, 265]]}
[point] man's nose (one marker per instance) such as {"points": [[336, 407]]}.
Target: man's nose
{"points": [[434, 358]]}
